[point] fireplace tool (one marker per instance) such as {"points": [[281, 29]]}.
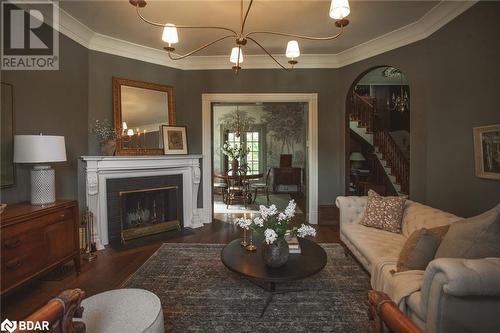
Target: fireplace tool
{"points": [[90, 245]]}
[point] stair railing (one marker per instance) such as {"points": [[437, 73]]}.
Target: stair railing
{"points": [[395, 158], [363, 109]]}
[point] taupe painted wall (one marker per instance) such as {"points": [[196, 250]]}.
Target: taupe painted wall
{"points": [[52, 102], [454, 76]]}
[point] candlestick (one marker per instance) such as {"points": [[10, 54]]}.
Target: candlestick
{"points": [[244, 242], [251, 246]]}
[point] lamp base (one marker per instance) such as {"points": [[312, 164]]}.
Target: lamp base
{"points": [[43, 189]]}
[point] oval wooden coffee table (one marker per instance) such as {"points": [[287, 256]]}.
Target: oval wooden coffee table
{"points": [[250, 264]]}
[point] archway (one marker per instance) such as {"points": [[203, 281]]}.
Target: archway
{"points": [[378, 133]]}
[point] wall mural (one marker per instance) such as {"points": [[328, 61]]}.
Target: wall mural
{"points": [[283, 125]]}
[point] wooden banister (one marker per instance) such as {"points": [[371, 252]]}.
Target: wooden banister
{"points": [[362, 109], [59, 313], [395, 158], [386, 317]]}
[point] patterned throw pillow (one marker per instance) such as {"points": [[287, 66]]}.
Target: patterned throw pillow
{"points": [[383, 213]]}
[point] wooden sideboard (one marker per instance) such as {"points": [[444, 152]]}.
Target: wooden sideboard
{"points": [[36, 239], [287, 176]]}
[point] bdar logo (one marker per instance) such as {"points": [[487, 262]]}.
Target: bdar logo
{"points": [[8, 325]]}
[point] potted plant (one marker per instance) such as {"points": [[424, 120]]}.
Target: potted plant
{"points": [[234, 153], [274, 226], [105, 135]]}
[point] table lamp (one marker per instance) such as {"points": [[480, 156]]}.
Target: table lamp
{"points": [[40, 149], [356, 160]]}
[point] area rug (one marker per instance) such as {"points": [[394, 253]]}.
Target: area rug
{"points": [[238, 207], [199, 294]]}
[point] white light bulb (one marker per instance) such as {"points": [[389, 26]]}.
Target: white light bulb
{"points": [[234, 55], [339, 9], [292, 49], [170, 34]]}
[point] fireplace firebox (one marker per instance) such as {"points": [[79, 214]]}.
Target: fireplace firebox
{"points": [[143, 209], [148, 211]]}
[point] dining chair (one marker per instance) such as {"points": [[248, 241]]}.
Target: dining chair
{"points": [[237, 187], [220, 187], [262, 187]]}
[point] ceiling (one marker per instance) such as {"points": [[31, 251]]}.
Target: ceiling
{"points": [[369, 20]]}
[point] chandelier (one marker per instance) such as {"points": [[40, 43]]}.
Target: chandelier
{"points": [[339, 10], [401, 102]]}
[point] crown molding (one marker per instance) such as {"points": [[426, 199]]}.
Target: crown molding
{"points": [[433, 20]]}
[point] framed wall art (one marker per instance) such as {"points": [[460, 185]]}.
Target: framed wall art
{"points": [[487, 151], [174, 140]]}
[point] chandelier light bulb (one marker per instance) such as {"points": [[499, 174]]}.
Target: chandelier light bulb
{"points": [[339, 9], [292, 49], [170, 34], [234, 55]]}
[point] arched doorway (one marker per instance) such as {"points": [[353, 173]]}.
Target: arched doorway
{"points": [[378, 133]]}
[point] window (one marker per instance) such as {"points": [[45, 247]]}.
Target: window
{"points": [[252, 140]]}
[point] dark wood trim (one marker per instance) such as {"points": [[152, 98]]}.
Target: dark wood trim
{"points": [[117, 113]]}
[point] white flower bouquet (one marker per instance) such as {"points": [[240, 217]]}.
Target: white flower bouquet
{"points": [[274, 224], [234, 152]]}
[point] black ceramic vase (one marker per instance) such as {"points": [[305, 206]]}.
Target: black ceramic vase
{"points": [[275, 254]]}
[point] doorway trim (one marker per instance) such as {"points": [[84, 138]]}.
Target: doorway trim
{"points": [[311, 144]]}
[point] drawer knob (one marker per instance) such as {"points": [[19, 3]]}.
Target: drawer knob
{"points": [[12, 243], [13, 264]]}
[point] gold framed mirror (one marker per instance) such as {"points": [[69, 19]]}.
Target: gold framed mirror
{"points": [[140, 110]]}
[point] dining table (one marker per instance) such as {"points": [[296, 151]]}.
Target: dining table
{"points": [[238, 179]]}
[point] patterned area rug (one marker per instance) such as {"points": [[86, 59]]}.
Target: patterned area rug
{"points": [[199, 294]]}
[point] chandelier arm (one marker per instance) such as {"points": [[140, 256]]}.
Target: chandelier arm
{"points": [[198, 49], [182, 26], [296, 36], [246, 15], [269, 54]]}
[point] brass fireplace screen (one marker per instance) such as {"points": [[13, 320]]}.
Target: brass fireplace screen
{"points": [[148, 211]]}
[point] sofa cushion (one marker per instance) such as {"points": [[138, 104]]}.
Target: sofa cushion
{"points": [[473, 238], [372, 243], [417, 216], [420, 248], [383, 212]]}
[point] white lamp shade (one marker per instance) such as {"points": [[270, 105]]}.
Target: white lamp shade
{"points": [[339, 9], [130, 132], [39, 149], [124, 125], [356, 156], [292, 49], [234, 55], [170, 34]]}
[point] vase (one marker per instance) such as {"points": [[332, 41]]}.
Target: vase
{"points": [[108, 148], [275, 254], [235, 165]]}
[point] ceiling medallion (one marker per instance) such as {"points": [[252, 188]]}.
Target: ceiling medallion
{"points": [[339, 10]]}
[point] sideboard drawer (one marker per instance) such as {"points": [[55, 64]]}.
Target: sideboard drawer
{"points": [[24, 264], [14, 243], [62, 215]]}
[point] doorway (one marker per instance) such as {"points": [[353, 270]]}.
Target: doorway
{"points": [[378, 133], [255, 121]]}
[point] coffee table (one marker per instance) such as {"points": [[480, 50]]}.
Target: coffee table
{"points": [[251, 265]]}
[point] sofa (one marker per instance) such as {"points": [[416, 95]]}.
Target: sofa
{"points": [[451, 295]]}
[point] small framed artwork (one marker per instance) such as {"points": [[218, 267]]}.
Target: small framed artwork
{"points": [[487, 151], [174, 140]]}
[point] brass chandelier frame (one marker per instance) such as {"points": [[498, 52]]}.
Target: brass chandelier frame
{"points": [[240, 36]]}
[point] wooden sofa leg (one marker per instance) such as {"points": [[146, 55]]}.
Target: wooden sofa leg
{"points": [[346, 250]]}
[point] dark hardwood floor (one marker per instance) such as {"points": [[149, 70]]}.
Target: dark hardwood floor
{"points": [[113, 267]]}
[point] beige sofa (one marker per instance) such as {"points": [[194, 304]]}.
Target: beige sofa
{"points": [[451, 295]]}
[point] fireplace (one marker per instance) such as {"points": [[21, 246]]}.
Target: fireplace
{"points": [[143, 209], [148, 211]]}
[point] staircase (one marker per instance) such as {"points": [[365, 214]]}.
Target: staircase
{"points": [[363, 121]]}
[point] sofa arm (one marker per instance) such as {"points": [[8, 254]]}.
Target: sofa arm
{"points": [[465, 277], [351, 208]]}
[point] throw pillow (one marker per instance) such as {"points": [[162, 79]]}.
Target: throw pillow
{"points": [[383, 213], [420, 248], [473, 238]]}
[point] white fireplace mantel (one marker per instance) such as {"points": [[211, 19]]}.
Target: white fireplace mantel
{"points": [[100, 168]]}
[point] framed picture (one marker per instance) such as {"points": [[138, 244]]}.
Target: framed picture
{"points": [[487, 151], [174, 140]]}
